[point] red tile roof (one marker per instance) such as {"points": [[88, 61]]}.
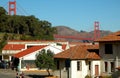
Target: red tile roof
{"points": [[28, 51], [77, 52], [112, 37], [14, 47], [96, 46], [36, 41], [92, 55], [78, 43]]}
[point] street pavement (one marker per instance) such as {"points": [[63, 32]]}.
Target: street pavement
{"points": [[8, 73]]}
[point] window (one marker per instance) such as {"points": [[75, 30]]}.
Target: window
{"points": [[89, 65], [112, 66], [67, 63], [108, 49], [106, 66], [58, 63], [79, 65]]}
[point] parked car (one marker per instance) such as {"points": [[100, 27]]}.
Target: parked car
{"points": [[3, 64]]}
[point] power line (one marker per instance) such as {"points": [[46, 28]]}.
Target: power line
{"points": [[21, 9]]}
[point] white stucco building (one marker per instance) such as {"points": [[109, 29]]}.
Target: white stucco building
{"points": [[25, 51], [78, 62]]}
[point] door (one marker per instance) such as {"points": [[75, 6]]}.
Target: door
{"points": [[96, 70]]}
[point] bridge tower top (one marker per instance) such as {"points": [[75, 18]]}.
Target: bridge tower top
{"points": [[12, 7]]}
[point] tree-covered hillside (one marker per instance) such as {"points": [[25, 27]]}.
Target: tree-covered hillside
{"points": [[18, 27], [28, 27]]}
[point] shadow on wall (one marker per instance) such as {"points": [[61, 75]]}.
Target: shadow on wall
{"points": [[116, 74]]}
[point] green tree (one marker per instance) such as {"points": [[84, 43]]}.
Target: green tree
{"points": [[26, 25], [3, 42], [2, 11], [3, 18], [45, 60]]}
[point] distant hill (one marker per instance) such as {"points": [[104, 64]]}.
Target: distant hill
{"points": [[67, 31]]}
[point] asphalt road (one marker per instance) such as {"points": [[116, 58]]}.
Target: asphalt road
{"points": [[8, 73]]}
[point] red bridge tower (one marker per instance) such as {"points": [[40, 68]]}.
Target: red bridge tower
{"points": [[96, 30], [12, 7]]}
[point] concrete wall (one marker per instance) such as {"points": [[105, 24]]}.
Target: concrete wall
{"points": [[115, 57], [116, 50]]}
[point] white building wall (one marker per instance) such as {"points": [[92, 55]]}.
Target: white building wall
{"points": [[10, 52], [73, 69], [54, 49], [93, 63], [32, 56], [52, 45], [38, 42], [78, 74], [84, 69]]}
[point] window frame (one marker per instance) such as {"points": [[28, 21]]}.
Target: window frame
{"points": [[79, 66], [106, 66], [112, 66], [89, 65]]}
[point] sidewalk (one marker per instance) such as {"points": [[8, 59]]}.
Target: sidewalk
{"points": [[36, 73], [27, 74]]}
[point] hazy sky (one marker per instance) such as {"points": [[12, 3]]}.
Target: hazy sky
{"points": [[76, 14]]}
